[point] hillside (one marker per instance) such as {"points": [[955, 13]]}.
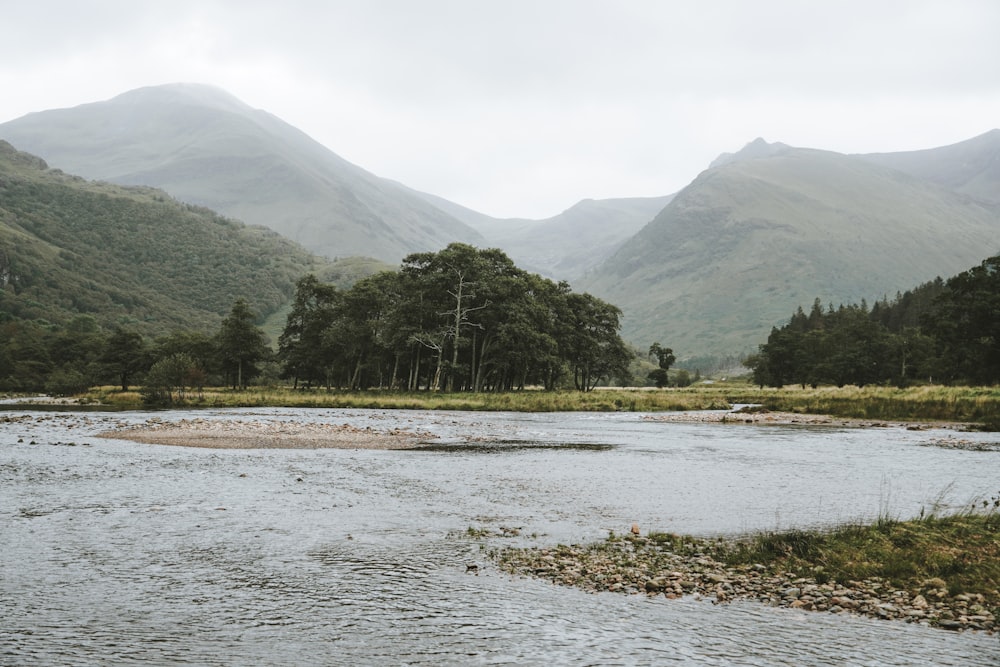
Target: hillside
{"points": [[130, 256], [748, 241], [971, 167], [567, 245], [205, 147]]}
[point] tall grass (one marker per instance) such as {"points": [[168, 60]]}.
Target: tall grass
{"points": [[960, 551], [929, 403]]}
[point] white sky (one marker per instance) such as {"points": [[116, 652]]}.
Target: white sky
{"points": [[524, 107]]}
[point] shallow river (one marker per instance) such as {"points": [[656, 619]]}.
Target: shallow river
{"points": [[116, 553]]}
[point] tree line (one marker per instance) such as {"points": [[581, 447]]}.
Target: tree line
{"points": [[461, 319], [942, 331], [34, 356]]}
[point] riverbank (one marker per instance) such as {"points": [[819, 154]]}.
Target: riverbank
{"points": [[930, 404], [941, 572], [265, 434]]}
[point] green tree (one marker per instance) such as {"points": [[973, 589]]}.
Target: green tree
{"points": [[301, 346], [171, 373], [241, 344], [664, 357], [592, 345], [124, 355]]}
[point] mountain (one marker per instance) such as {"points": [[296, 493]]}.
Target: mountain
{"points": [[205, 147], [764, 231], [130, 256], [566, 245], [971, 167]]}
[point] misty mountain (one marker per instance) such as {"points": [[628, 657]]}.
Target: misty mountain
{"points": [[205, 147], [567, 245], [767, 230], [971, 167]]}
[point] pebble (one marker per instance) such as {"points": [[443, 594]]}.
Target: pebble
{"points": [[643, 566]]}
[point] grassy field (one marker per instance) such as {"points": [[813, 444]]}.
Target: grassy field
{"points": [[927, 403]]}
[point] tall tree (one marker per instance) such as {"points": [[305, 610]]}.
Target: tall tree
{"points": [[124, 354], [241, 344]]}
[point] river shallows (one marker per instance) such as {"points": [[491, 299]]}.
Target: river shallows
{"points": [[121, 553]]}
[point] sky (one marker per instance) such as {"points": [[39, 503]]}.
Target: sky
{"points": [[521, 108]]}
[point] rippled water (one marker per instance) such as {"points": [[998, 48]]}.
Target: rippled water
{"points": [[113, 552]]}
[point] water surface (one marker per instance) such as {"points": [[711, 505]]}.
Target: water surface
{"points": [[119, 553]]}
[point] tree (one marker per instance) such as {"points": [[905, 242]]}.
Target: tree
{"points": [[301, 346], [965, 321], [592, 345], [241, 344], [173, 372], [124, 355], [665, 358]]}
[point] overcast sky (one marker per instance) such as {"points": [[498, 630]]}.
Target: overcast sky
{"points": [[522, 108]]}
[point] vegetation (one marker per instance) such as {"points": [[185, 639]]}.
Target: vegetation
{"points": [[960, 552], [948, 331], [130, 258], [724, 259], [461, 319], [940, 570]]}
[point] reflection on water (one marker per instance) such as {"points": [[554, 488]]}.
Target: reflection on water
{"points": [[119, 553]]}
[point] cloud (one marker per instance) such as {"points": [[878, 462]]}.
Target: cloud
{"points": [[523, 108]]}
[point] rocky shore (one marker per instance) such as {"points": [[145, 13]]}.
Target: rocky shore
{"points": [[674, 567]]}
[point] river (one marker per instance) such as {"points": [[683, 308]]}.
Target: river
{"points": [[117, 553]]}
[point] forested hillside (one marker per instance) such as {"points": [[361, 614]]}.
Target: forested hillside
{"points": [[129, 257], [942, 331]]}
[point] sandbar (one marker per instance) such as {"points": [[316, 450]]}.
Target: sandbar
{"points": [[267, 434]]}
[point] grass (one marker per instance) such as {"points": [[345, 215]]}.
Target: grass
{"points": [[959, 552], [926, 403], [521, 401]]}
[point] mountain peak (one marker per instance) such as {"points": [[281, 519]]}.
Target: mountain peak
{"points": [[199, 94], [756, 149]]}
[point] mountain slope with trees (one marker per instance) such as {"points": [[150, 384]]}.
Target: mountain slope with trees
{"points": [[129, 257], [768, 229], [205, 147]]}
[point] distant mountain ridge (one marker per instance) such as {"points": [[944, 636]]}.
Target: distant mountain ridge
{"points": [[567, 245], [204, 146], [971, 167], [749, 240]]}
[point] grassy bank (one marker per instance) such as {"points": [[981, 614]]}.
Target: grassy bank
{"points": [[942, 571], [929, 403], [521, 401]]}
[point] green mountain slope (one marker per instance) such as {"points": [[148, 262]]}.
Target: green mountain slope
{"points": [[204, 146], [971, 167], [130, 256], [748, 241]]}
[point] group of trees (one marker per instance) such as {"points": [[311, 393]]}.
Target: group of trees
{"points": [[461, 319], [35, 356], [941, 331]]}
